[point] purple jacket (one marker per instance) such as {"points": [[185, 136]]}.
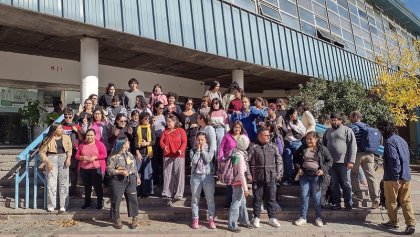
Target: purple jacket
{"points": [[226, 146]]}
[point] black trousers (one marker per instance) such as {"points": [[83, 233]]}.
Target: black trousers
{"points": [[124, 185], [264, 191], [157, 163], [92, 177]]}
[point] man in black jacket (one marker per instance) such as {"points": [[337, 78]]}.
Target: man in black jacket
{"points": [[266, 167]]}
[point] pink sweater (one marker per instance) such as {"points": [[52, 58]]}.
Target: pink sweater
{"points": [[227, 145], [101, 157], [239, 169]]}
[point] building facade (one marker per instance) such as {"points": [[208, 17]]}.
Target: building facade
{"points": [[268, 45]]}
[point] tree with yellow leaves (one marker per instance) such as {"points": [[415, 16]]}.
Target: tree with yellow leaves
{"points": [[399, 86]]}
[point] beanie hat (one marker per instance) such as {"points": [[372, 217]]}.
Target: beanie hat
{"points": [[242, 142]]}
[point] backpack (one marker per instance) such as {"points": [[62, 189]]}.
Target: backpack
{"points": [[225, 170], [370, 138]]}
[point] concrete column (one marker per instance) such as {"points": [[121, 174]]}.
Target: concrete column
{"points": [[89, 67], [238, 76]]}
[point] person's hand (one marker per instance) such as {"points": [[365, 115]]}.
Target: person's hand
{"points": [[48, 166], [74, 128], [67, 163], [179, 152], [116, 131], [138, 156], [396, 184], [125, 173], [300, 172], [237, 112], [350, 165], [249, 178], [320, 173], [246, 193], [130, 130], [138, 181], [144, 143], [85, 120]]}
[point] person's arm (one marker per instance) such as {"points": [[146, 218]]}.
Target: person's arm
{"points": [[101, 151], [124, 111], [162, 140], [184, 141], [212, 145], [69, 150], [43, 154], [394, 159], [298, 158], [78, 152], [110, 166], [328, 161], [226, 121], [222, 148], [351, 146], [241, 172], [153, 141], [279, 164], [324, 138]]}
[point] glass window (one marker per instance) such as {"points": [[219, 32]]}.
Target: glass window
{"points": [[362, 14], [353, 9], [364, 24], [308, 29], [345, 24], [306, 4], [368, 45], [334, 18], [360, 3], [373, 30], [322, 2], [335, 29], [321, 22], [270, 12], [366, 35], [246, 4], [342, 3], [320, 10], [359, 41], [306, 15], [273, 2], [357, 30], [343, 12], [350, 47], [354, 19], [361, 51], [332, 6], [289, 7], [290, 21], [347, 35]]}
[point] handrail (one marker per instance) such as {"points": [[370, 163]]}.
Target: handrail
{"points": [[27, 156], [320, 129]]}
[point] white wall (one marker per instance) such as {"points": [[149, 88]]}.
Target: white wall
{"points": [[31, 68]]}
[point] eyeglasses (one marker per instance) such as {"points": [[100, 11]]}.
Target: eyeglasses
{"points": [[68, 116], [160, 108], [122, 121]]}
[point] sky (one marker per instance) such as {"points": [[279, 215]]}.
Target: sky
{"points": [[413, 5]]}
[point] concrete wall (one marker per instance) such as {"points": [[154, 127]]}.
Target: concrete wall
{"points": [[28, 68]]}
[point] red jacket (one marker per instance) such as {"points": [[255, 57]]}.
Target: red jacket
{"points": [[173, 141]]}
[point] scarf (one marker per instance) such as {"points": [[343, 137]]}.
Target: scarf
{"points": [[148, 138]]}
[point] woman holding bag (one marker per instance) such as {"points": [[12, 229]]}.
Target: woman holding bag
{"points": [[91, 155]]}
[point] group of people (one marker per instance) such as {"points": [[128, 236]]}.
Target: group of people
{"points": [[134, 144]]}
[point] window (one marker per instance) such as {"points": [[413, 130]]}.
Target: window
{"points": [[362, 14], [335, 29], [373, 30], [290, 21], [246, 4], [392, 27], [270, 12], [334, 18], [343, 12], [359, 41], [288, 7], [364, 24], [357, 30], [324, 35], [321, 22], [345, 24], [306, 4], [306, 15], [273, 2], [308, 29], [353, 9], [342, 3], [332, 6], [320, 10], [347, 35]]}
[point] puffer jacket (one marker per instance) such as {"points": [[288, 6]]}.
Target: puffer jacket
{"points": [[265, 162]]}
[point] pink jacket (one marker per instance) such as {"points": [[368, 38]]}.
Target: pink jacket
{"points": [[227, 145], [101, 157], [155, 98], [239, 169]]}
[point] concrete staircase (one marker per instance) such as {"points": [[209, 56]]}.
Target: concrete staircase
{"points": [[155, 208]]}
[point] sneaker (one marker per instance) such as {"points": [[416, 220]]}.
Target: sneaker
{"points": [[62, 210], [99, 206], [390, 225], [134, 223], [319, 222], [248, 226], [274, 222], [234, 230], [410, 230], [118, 224], [212, 225], [336, 206], [85, 206], [256, 222], [50, 209], [194, 223], [375, 204], [348, 207], [300, 222]]}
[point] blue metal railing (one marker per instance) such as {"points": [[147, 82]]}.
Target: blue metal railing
{"points": [[27, 156], [320, 129]]}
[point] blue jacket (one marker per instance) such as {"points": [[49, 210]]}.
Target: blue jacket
{"points": [[248, 120], [396, 159]]}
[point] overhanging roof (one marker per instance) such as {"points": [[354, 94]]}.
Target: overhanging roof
{"points": [[402, 14]]}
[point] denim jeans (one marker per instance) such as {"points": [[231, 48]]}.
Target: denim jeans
{"points": [[197, 183], [289, 149], [238, 208], [309, 184], [340, 178], [146, 174], [59, 174]]}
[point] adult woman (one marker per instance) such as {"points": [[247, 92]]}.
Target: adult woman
{"points": [[295, 131], [55, 151], [259, 104], [218, 118], [141, 105], [101, 127], [144, 139], [120, 129], [91, 156], [173, 143], [106, 100], [87, 112], [228, 95], [172, 107], [188, 119], [133, 123], [159, 123], [213, 91], [121, 167], [226, 147], [205, 105], [312, 161], [236, 104], [115, 109], [308, 119], [157, 95], [202, 178]]}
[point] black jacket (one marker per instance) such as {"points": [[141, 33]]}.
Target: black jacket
{"points": [[265, 162], [325, 161]]}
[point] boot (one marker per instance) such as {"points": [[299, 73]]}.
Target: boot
{"points": [[135, 223], [118, 224]]}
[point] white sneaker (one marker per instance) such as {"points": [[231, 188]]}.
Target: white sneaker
{"points": [[50, 209], [256, 222], [318, 222], [300, 222], [62, 209], [274, 222]]}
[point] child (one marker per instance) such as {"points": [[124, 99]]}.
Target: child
{"points": [[239, 186]]}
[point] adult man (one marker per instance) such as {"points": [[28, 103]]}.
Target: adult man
{"points": [[341, 144], [397, 176], [247, 115], [75, 132], [281, 107], [266, 167], [130, 95], [366, 160]]}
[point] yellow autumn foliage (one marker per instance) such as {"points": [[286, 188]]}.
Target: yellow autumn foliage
{"points": [[400, 89]]}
